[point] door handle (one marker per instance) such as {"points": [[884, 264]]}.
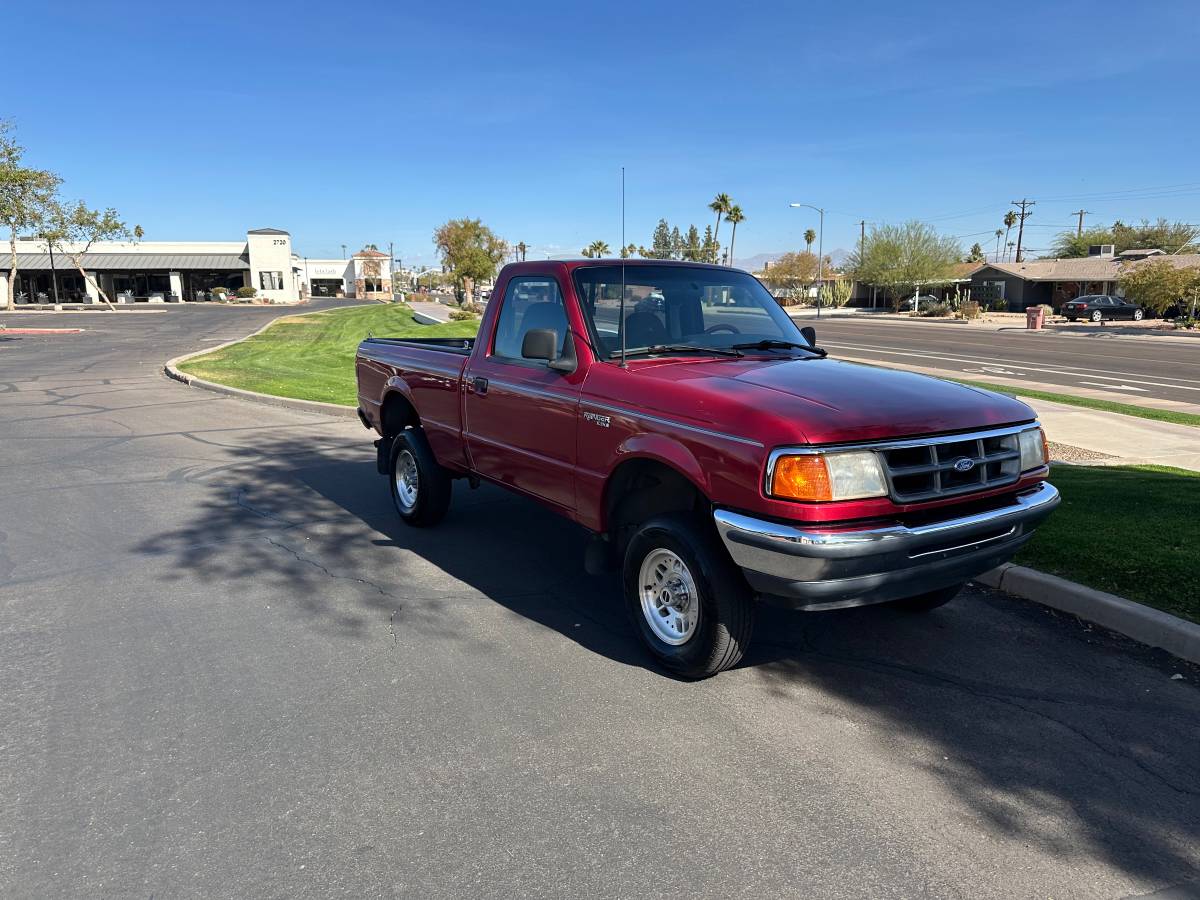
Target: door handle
{"points": [[480, 385]]}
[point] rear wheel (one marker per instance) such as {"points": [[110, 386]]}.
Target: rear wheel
{"points": [[688, 602], [1138, 315], [420, 487], [927, 601], [1097, 316]]}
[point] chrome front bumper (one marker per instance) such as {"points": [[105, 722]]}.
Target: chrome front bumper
{"points": [[814, 568]]}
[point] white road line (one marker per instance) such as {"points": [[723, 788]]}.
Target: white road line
{"points": [[1114, 387], [1060, 370]]}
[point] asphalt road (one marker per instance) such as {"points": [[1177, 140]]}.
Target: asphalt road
{"points": [[226, 669], [1092, 360]]}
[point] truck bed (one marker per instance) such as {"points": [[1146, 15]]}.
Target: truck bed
{"points": [[461, 346]]}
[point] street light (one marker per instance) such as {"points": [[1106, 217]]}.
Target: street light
{"points": [[820, 250]]}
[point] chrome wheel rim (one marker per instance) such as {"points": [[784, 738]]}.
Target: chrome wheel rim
{"points": [[1137, 315], [670, 601], [406, 480]]}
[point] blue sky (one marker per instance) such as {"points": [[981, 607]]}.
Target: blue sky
{"points": [[376, 121]]}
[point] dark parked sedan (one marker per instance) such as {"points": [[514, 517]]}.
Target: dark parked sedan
{"points": [[1098, 307]]}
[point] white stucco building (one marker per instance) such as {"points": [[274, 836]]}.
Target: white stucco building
{"points": [[365, 275], [170, 271]]}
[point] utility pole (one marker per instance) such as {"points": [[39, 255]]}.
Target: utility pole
{"points": [[1021, 216], [862, 252], [1081, 213]]}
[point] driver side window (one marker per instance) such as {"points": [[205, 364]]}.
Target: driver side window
{"points": [[531, 301]]}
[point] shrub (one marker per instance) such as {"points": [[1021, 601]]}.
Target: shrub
{"points": [[461, 315], [999, 306], [934, 309], [219, 290], [245, 292]]}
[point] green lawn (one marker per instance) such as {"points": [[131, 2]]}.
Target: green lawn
{"points": [[1125, 409], [311, 356], [1129, 530]]}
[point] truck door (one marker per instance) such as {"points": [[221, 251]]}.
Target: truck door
{"points": [[519, 416]]}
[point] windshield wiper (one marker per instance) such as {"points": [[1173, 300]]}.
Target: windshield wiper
{"points": [[770, 344], [677, 348]]}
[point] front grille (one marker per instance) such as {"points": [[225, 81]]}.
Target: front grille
{"points": [[919, 471]]}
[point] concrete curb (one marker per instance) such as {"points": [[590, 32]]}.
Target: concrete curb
{"points": [[171, 370], [1141, 623], [425, 319], [4, 329]]}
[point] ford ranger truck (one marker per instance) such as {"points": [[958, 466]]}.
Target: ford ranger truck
{"points": [[715, 453]]}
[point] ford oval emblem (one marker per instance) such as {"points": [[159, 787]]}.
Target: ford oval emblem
{"points": [[964, 464]]}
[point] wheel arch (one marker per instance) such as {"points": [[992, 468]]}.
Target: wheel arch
{"points": [[648, 484], [397, 411]]}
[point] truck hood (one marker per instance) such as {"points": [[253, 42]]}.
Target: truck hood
{"points": [[823, 401]]}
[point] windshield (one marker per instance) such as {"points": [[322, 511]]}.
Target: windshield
{"points": [[664, 305]]}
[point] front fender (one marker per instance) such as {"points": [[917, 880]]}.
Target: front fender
{"points": [[665, 450]]}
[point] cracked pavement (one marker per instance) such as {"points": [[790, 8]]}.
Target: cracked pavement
{"points": [[226, 669]]}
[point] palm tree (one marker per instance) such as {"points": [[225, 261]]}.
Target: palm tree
{"points": [[720, 205], [596, 249], [1010, 219], [999, 234], [809, 237], [733, 215]]}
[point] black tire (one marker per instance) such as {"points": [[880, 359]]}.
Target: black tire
{"points": [[1070, 318], [429, 498], [1097, 316], [925, 602], [1138, 315], [725, 622]]}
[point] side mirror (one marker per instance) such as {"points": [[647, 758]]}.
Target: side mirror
{"points": [[810, 334], [540, 343]]}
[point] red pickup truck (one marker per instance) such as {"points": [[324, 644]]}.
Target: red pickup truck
{"points": [[712, 449]]}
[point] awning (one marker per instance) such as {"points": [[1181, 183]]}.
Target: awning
{"points": [[134, 262]]}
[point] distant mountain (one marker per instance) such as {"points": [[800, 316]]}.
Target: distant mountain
{"points": [[755, 263]]}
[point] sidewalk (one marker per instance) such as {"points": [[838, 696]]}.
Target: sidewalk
{"points": [[428, 313], [1129, 440]]}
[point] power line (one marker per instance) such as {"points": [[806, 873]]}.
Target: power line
{"points": [[1185, 187]]}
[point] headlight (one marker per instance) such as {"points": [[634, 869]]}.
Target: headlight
{"points": [[1034, 452], [827, 476]]}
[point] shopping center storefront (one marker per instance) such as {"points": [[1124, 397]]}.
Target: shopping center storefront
{"points": [[158, 271]]}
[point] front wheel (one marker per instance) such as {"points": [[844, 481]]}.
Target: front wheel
{"points": [[420, 487], [1138, 315], [688, 602], [926, 602]]}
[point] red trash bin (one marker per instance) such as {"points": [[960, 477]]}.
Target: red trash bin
{"points": [[1035, 317]]}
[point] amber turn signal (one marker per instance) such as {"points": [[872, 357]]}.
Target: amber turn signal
{"points": [[802, 478]]}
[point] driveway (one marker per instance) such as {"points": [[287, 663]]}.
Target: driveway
{"points": [[226, 669]]}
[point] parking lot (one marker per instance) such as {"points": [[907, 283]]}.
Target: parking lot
{"points": [[227, 669]]}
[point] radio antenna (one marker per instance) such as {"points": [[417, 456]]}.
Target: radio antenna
{"points": [[621, 312]]}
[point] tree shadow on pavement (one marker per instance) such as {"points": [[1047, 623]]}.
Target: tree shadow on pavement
{"points": [[1051, 733], [1054, 733]]}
